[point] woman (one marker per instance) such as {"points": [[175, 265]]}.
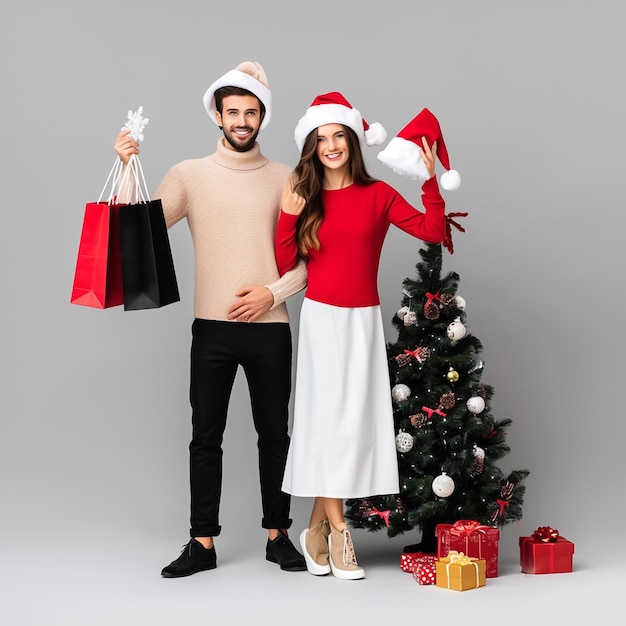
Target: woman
{"points": [[336, 216]]}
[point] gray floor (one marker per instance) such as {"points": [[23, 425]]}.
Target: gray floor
{"points": [[72, 578]]}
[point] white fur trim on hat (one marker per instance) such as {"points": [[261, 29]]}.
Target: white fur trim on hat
{"points": [[322, 114], [247, 75], [403, 157]]}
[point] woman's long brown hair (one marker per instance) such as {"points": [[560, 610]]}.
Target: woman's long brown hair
{"points": [[308, 179]]}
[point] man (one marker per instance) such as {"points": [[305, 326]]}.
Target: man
{"points": [[231, 200]]}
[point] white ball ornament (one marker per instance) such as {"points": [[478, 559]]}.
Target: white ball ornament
{"points": [[404, 442], [459, 302], [456, 330], [443, 485], [475, 405], [402, 311], [410, 319], [400, 392]]}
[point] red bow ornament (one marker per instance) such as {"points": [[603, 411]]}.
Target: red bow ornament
{"points": [[432, 412], [382, 514]]}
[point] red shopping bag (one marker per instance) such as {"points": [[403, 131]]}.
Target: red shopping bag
{"points": [[98, 280]]}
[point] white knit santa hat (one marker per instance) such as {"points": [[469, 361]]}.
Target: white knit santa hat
{"points": [[333, 108], [402, 153], [247, 75]]}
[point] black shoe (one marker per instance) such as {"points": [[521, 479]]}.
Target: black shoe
{"points": [[283, 552], [193, 558]]}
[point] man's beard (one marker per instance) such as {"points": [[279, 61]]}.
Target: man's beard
{"points": [[238, 145]]}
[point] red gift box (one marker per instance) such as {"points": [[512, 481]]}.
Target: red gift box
{"points": [[542, 555], [410, 560], [471, 538], [426, 572]]}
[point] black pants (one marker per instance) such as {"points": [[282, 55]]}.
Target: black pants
{"points": [[265, 353]]}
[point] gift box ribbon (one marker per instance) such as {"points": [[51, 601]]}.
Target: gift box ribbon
{"points": [[549, 536], [459, 558], [546, 534], [465, 528]]}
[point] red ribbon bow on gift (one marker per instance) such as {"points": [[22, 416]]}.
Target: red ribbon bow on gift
{"points": [[546, 534], [447, 242], [465, 527], [431, 412]]}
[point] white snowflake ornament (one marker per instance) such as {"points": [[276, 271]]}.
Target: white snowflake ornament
{"points": [[136, 122]]}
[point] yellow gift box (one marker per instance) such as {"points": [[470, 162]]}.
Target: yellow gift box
{"points": [[460, 572]]}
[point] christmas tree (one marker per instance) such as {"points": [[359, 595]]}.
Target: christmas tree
{"points": [[448, 442]]}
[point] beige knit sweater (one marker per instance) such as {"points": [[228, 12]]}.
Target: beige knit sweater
{"points": [[231, 201]]}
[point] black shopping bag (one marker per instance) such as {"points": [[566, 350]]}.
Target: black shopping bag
{"points": [[149, 278]]}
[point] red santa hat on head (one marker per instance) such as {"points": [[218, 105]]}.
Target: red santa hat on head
{"points": [[248, 75], [333, 108], [402, 153]]}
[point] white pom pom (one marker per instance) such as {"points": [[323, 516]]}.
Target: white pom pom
{"points": [[450, 180], [375, 134]]}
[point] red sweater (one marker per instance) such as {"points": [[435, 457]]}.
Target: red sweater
{"points": [[344, 271]]}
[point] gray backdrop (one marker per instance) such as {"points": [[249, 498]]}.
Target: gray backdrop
{"points": [[94, 412]]}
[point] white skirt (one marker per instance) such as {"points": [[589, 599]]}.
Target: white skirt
{"points": [[343, 437]]}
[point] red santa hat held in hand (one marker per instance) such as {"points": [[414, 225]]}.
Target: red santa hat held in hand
{"points": [[333, 108], [402, 153]]}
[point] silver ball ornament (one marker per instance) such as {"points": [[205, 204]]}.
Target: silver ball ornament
{"points": [[456, 330], [475, 405], [400, 392], [402, 311], [478, 453], [443, 485], [460, 303], [410, 319], [404, 442]]}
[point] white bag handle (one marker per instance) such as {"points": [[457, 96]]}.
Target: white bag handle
{"points": [[131, 175], [134, 180], [114, 176]]}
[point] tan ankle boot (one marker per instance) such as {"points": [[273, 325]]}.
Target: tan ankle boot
{"points": [[314, 543], [342, 558]]}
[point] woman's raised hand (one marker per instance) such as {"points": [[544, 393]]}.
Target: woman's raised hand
{"points": [[429, 155], [291, 202], [125, 146]]}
